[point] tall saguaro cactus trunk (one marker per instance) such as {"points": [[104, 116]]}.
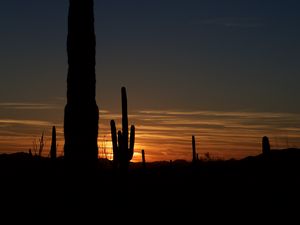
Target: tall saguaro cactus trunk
{"points": [[81, 112]]}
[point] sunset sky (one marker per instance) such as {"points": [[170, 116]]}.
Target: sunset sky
{"points": [[227, 72]]}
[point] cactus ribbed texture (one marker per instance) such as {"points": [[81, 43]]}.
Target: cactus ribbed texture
{"points": [[122, 153], [81, 112], [53, 144]]}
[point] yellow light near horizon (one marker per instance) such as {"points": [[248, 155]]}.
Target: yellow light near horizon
{"points": [[107, 147], [166, 135]]}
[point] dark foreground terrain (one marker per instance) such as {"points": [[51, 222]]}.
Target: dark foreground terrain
{"points": [[253, 190]]}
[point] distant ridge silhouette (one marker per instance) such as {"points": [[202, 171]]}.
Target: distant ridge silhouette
{"points": [[256, 183], [81, 112]]}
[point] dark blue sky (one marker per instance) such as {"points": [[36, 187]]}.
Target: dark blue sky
{"points": [[179, 54], [225, 71]]}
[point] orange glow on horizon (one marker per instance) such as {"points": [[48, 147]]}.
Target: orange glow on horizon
{"points": [[166, 135]]}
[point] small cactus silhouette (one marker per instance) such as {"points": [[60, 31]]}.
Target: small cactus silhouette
{"points": [[122, 153], [266, 149], [195, 155], [53, 144], [143, 159]]}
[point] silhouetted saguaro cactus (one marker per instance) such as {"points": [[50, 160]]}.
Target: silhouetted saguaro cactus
{"points": [[53, 144], [122, 153], [266, 149], [194, 150], [143, 159], [81, 112]]}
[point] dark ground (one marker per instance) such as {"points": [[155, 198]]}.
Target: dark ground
{"points": [[253, 190]]}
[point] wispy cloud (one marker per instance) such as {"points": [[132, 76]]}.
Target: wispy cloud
{"points": [[26, 106], [25, 122], [234, 22], [166, 134], [104, 111]]}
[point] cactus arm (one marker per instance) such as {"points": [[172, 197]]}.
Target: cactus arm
{"points": [[132, 139]]}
